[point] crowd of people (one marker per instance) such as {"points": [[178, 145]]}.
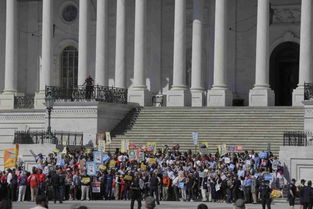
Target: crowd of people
{"points": [[165, 174]]}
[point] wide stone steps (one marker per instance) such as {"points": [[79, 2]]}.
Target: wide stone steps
{"points": [[251, 127]]}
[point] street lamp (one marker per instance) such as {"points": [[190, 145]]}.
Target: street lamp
{"points": [[49, 102]]}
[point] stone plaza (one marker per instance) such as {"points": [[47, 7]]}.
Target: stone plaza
{"points": [[126, 204]]}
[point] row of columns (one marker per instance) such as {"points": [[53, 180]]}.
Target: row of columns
{"points": [[179, 95]]}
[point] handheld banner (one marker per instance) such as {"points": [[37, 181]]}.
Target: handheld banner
{"points": [[96, 187], [231, 148], [203, 148], [91, 168], [108, 139], [124, 145], [112, 164], [132, 155], [222, 149], [97, 156], [151, 147], [10, 157]]}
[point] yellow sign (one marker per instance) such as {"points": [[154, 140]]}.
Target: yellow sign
{"points": [[152, 161], [102, 167], [143, 167], [112, 164], [10, 156]]}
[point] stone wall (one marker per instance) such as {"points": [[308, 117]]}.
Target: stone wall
{"points": [[298, 162]]}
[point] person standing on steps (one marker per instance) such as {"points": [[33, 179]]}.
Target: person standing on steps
{"points": [[265, 195]]}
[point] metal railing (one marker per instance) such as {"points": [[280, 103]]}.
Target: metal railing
{"points": [[295, 138], [24, 102], [41, 137], [308, 91], [88, 93]]}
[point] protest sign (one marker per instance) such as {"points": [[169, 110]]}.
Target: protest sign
{"points": [[96, 187], [143, 167], [124, 145], [141, 156], [231, 148], [151, 147], [91, 168], [98, 157], [112, 164], [108, 138], [222, 149], [152, 161], [268, 177], [132, 155], [203, 148], [239, 148], [195, 137]]}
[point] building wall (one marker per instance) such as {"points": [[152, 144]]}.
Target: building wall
{"points": [[159, 39]]}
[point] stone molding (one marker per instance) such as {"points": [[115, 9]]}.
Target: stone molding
{"points": [[286, 14]]}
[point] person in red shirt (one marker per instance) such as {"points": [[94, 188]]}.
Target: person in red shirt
{"points": [[33, 182], [42, 182]]}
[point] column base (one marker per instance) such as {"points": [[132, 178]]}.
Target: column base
{"points": [[178, 98], [262, 97], [39, 100], [140, 96], [7, 99], [219, 97], [298, 96], [197, 98]]}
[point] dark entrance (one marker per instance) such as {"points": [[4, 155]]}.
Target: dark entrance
{"points": [[284, 72]]}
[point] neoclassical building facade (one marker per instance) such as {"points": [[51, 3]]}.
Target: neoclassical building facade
{"points": [[191, 52]]}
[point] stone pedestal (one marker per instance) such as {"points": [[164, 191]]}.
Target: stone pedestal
{"points": [[298, 96], [197, 98], [7, 99], [87, 117], [139, 96], [39, 100], [220, 97], [178, 98], [308, 116], [261, 97]]}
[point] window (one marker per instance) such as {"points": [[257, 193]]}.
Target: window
{"points": [[69, 13], [69, 67]]}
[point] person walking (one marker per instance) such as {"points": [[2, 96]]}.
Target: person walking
{"points": [[154, 182], [292, 193], [135, 192], [265, 195]]}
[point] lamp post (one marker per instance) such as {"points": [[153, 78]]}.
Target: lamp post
{"points": [[49, 102]]}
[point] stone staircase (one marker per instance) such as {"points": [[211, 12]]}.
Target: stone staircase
{"points": [[252, 127]]}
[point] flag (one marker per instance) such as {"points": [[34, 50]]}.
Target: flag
{"points": [[10, 156]]}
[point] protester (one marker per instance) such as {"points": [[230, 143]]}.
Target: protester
{"points": [[168, 174]]}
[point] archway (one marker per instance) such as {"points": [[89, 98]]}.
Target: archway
{"points": [[284, 72]]}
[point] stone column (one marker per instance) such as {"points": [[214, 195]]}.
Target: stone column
{"points": [[196, 63], [261, 94], [46, 52], [83, 42], [120, 52], [179, 95], [305, 62], [220, 95], [138, 93], [10, 73], [102, 46]]}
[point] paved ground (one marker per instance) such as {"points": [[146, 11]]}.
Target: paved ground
{"points": [[125, 204]]}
